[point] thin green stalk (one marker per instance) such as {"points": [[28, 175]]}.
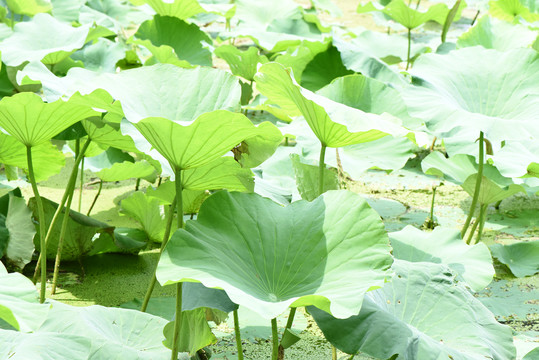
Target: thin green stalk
{"points": [[95, 198], [137, 184], [482, 218], [41, 221], [12, 20], [290, 320], [179, 206], [321, 168], [472, 231], [177, 321], [417, 5], [275, 339], [333, 353], [351, 356], [61, 244], [477, 186], [409, 48], [81, 181], [166, 235], [70, 188], [475, 17], [238, 335]]}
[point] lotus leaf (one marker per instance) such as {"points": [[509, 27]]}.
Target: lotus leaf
{"points": [[187, 41], [222, 173], [147, 212], [195, 332], [521, 257], [101, 56], [127, 170], [27, 42], [21, 231], [323, 68], [518, 159], [267, 257], [498, 95], [28, 7], [182, 9], [509, 10], [334, 124], [241, 63], [423, 313], [307, 179], [490, 192], [473, 264]]}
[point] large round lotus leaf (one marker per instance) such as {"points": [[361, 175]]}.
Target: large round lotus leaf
{"points": [[28, 43], [26, 117], [334, 124], [518, 159], [473, 264], [521, 257], [204, 89], [182, 9], [497, 95], [492, 33], [326, 253], [209, 137], [423, 313]]}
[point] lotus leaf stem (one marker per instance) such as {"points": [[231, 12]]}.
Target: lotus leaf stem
{"points": [[472, 231], [333, 353], [41, 220], [137, 184], [70, 185], [290, 320], [477, 186], [275, 339], [321, 170], [409, 48], [81, 181], [166, 235], [238, 335], [95, 198], [481, 221], [417, 4], [178, 320]]}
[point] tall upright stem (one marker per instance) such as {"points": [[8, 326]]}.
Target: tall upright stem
{"points": [[41, 221], [95, 198], [178, 320], [289, 323], [333, 353], [477, 186], [81, 181], [275, 339], [238, 335], [409, 48], [166, 235], [321, 168], [481, 220]]}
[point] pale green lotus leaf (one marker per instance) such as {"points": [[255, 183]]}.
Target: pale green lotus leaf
{"points": [[268, 257], [191, 199], [423, 313], [163, 54], [107, 134], [127, 170], [492, 33], [33, 122], [101, 56], [146, 210], [473, 264], [27, 42], [518, 159], [323, 68], [46, 158], [498, 95], [20, 247], [328, 6], [29, 7], [521, 257], [187, 40], [307, 179], [111, 14], [222, 173], [297, 57], [490, 192], [241, 63], [210, 89], [334, 124], [182, 9], [253, 151], [209, 137], [195, 332], [509, 10]]}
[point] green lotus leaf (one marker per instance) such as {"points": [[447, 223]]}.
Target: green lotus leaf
{"points": [[27, 42], [146, 210], [101, 56], [498, 96], [21, 230], [106, 159], [79, 236], [209, 137], [255, 150], [123, 240], [107, 134], [111, 14], [509, 10], [43, 346], [518, 158], [328, 6], [29, 7], [334, 124], [490, 192], [241, 63], [182, 9], [307, 179], [195, 332], [128, 170], [520, 257], [47, 159], [492, 33], [163, 54], [297, 57], [160, 96], [293, 256], [33, 122], [423, 313], [323, 68], [410, 19], [192, 199], [187, 40], [473, 264], [222, 173]]}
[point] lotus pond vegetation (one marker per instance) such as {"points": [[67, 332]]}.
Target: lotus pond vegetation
{"points": [[242, 179]]}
